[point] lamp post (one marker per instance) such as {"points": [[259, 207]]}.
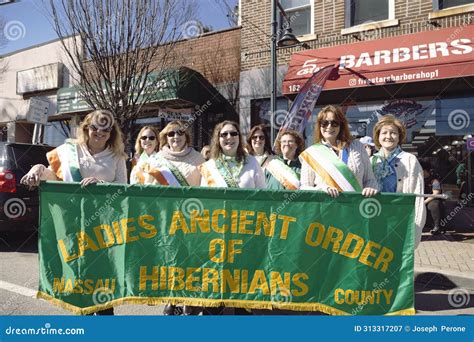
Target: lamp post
{"points": [[288, 39]]}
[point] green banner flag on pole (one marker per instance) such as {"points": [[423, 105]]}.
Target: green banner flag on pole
{"points": [[106, 245]]}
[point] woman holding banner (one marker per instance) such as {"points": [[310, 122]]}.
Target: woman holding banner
{"points": [[397, 170], [176, 165], [146, 146], [258, 145], [283, 172], [96, 157], [229, 166], [336, 162]]}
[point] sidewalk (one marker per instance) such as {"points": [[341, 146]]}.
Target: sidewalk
{"points": [[446, 260]]}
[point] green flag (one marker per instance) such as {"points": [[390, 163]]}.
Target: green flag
{"points": [[106, 245]]}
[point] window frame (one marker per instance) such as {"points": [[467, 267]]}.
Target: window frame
{"points": [[347, 14], [311, 9]]}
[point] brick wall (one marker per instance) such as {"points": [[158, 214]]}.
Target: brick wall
{"points": [[328, 22], [216, 55]]}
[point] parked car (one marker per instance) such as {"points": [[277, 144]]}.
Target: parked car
{"points": [[19, 207]]}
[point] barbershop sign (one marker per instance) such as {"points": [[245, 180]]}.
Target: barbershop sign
{"points": [[446, 53]]}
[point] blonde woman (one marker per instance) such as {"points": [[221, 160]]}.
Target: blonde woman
{"points": [[336, 162], [397, 170], [146, 146], [97, 156]]}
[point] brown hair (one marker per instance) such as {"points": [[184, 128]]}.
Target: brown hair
{"points": [[386, 120], [267, 147], [182, 126], [215, 145], [103, 119], [298, 139], [138, 146], [344, 135]]}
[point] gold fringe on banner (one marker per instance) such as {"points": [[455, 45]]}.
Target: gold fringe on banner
{"points": [[245, 304]]}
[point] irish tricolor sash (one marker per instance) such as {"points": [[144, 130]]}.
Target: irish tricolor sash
{"points": [[284, 174], [65, 162], [164, 171], [211, 174], [330, 168]]}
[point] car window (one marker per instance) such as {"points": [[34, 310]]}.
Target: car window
{"points": [[28, 155], [5, 162]]}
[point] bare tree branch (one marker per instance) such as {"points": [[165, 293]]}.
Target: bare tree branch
{"points": [[116, 47]]}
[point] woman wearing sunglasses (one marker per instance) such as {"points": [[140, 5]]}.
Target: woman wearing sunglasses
{"points": [[258, 145], [229, 166], [96, 156], [176, 165], [146, 146], [336, 162], [283, 172]]}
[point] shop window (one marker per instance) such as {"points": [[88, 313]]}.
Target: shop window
{"points": [[443, 4], [260, 112], [360, 12], [299, 14]]}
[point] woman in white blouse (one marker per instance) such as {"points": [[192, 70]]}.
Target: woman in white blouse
{"points": [[336, 162], [146, 146], [97, 156], [229, 166]]}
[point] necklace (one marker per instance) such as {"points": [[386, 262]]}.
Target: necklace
{"points": [[92, 151]]}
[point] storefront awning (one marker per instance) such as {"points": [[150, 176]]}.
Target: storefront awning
{"points": [[440, 54], [176, 88]]}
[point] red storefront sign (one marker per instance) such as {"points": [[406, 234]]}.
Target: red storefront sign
{"points": [[423, 56]]}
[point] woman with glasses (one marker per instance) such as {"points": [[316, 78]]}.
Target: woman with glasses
{"points": [[97, 156], [176, 165], [146, 146], [397, 170], [283, 172], [258, 145], [336, 162], [229, 166], [176, 162]]}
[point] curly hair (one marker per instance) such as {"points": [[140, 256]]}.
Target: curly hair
{"points": [[138, 145], [215, 145], [298, 139], [267, 146], [389, 120], [344, 136], [115, 141]]}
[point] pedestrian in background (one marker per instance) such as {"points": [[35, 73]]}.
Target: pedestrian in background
{"points": [[368, 145], [434, 205]]}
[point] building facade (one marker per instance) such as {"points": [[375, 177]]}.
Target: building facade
{"points": [[413, 59]]}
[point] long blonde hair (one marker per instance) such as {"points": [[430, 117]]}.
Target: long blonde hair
{"points": [[138, 145], [103, 119]]}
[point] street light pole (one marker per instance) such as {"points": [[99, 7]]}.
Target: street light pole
{"points": [[273, 63]]}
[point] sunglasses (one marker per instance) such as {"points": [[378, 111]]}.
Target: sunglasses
{"points": [[258, 137], [171, 134], [95, 129], [326, 123], [151, 137], [232, 134]]}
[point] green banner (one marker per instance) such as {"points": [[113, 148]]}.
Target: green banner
{"points": [[105, 245]]}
